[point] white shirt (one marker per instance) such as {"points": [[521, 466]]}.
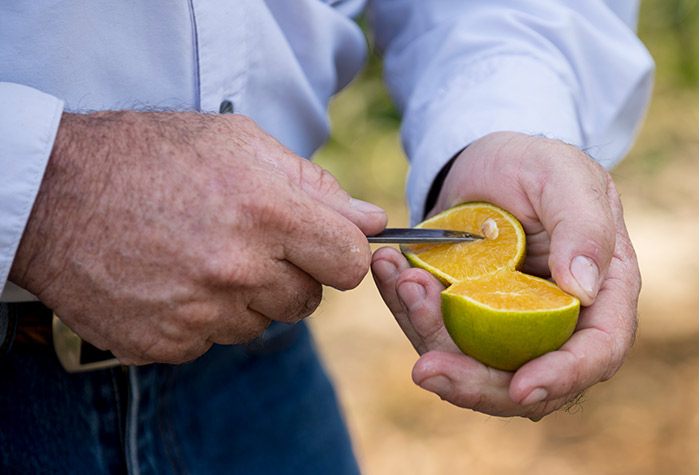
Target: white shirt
{"points": [[458, 69]]}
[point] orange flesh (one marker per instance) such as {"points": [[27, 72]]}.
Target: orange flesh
{"points": [[472, 259], [513, 291], [492, 312]]}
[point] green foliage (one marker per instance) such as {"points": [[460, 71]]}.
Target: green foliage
{"points": [[669, 28], [668, 142]]}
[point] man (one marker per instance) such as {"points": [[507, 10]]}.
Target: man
{"points": [[156, 235]]}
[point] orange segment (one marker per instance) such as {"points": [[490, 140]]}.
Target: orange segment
{"points": [[513, 292], [454, 262]]}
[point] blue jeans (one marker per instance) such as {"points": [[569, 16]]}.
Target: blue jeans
{"points": [[264, 408]]}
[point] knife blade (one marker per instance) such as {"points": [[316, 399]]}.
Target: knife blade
{"points": [[421, 235]]}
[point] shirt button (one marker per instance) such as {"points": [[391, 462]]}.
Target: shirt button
{"points": [[226, 107]]}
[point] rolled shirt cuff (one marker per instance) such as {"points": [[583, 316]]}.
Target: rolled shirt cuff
{"points": [[29, 121], [483, 100], [515, 93]]}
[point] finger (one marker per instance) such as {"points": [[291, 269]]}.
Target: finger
{"points": [[466, 383], [537, 255], [161, 350], [419, 293], [322, 186], [137, 340], [222, 318], [324, 244], [604, 334], [290, 295], [387, 264], [313, 180], [413, 296], [578, 217], [544, 183], [242, 324]]}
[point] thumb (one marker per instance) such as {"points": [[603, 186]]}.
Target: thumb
{"points": [[579, 219], [321, 185]]}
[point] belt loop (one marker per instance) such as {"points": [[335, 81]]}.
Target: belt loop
{"points": [[8, 326]]}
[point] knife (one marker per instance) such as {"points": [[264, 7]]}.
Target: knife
{"points": [[422, 235]]}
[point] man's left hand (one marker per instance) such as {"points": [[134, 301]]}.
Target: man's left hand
{"points": [[576, 234]]}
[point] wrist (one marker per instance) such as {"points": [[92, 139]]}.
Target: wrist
{"points": [[44, 239], [436, 187]]}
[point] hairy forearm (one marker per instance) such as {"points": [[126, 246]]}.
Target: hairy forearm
{"points": [[154, 234], [57, 199], [80, 166]]}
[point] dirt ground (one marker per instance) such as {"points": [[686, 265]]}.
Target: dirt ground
{"points": [[643, 421]]}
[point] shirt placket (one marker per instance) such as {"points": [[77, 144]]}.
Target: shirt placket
{"points": [[222, 53]]}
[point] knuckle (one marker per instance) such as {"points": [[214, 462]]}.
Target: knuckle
{"points": [[275, 210], [612, 360], [193, 322], [626, 250], [176, 352], [297, 301], [221, 271], [307, 301], [326, 182], [155, 351], [313, 299], [601, 241], [356, 267], [317, 178], [259, 208], [238, 326], [253, 326], [469, 398]]}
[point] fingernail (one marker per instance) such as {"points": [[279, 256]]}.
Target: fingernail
{"points": [[535, 396], [440, 385], [585, 271], [385, 270], [411, 294], [364, 206]]}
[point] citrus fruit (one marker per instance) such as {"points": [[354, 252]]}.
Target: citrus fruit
{"points": [[493, 312], [454, 262]]}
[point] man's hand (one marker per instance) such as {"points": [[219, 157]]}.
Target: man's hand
{"points": [[576, 234], [155, 235]]}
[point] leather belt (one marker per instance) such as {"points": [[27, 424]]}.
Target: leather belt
{"points": [[32, 324]]}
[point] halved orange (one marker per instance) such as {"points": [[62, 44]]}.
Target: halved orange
{"points": [[454, 262], [494, 313]]}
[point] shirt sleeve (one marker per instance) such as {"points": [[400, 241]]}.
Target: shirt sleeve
{"points": [[460, 69], [29, 120]]}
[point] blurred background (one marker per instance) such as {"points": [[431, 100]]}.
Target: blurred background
{"points": [[644, 420]]}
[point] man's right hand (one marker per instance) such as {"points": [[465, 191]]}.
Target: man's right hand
{"points": [[155, 235]]}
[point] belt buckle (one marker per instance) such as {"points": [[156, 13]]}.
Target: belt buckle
{"points": [[76, 355]]}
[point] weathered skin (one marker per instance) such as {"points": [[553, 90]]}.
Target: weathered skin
{"points": [[156, 235]]}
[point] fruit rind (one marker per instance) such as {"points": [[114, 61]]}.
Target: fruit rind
{"points": [[446, 278], [503, 338], [482, 337], [506, 338]]}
